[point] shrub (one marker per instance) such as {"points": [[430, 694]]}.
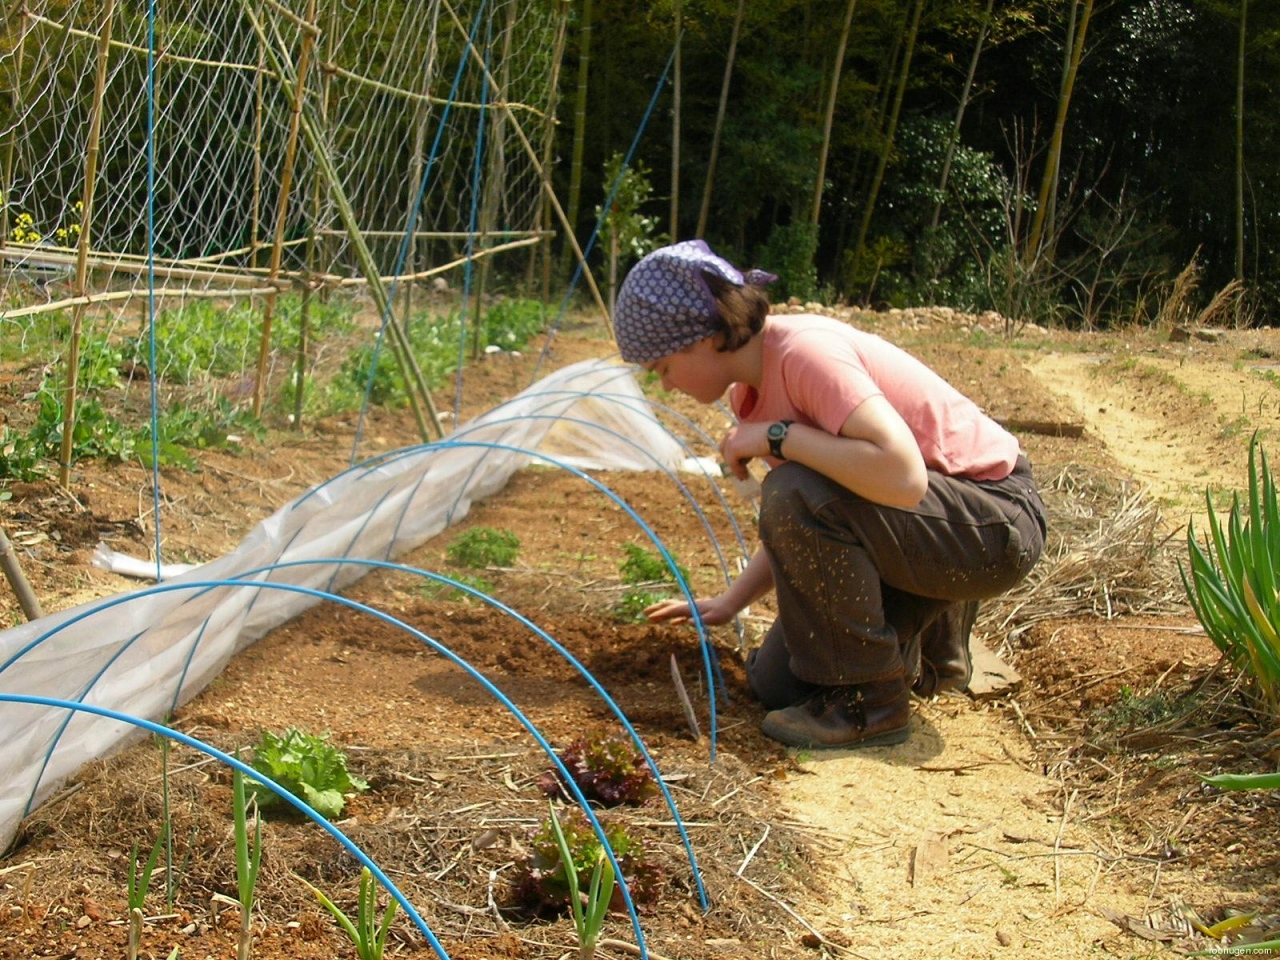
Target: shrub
{"points": [[482, 547], [646, 566], [609, 770], [1233, 585]]}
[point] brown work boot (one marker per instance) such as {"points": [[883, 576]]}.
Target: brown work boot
{"points": [[865, 715], [945, 660]]}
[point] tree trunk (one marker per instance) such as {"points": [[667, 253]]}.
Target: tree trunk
{"points": [[675, 129], [1244, 13], [890, 130], [705, 211], [836, 68], [579, 128], [1049, 180], [954, 141]]}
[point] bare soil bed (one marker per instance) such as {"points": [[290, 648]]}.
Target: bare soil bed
{"points": [[1062, 818]]}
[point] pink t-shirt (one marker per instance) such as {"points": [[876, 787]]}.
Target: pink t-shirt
{"points": [[818, 370]]}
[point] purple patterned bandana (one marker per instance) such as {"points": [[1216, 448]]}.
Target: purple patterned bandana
{"points": [[665, 305]]}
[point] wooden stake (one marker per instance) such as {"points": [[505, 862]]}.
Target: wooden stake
{"points": [[18, 580], [282, 209]]}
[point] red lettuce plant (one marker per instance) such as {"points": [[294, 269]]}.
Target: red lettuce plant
{"points": [[609, 770], [541, 885]]}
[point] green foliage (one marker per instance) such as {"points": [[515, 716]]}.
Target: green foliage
{"points": [[542, 881], [184, 427], [481, 547], [205, 339], [368, 934], [789, 252], [588, 917], [940, 264], [631, 605], [433, 589], [609, 770], [635, 233], [1233, 584], [512, 323], [646, 566], [138, 882], [306, 765], [1244, 781]]}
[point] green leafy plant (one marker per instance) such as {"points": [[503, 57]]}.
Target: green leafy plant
{"points": [[607, 769], [631, 605], [589, 914], [367, 932], [646, 566], [542, 883], [248, 860], [511, 324], [432, 589], [306, 765], [1233, 584], [482, 547]]}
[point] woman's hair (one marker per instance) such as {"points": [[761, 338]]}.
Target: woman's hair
{"points": [[741, 310]]}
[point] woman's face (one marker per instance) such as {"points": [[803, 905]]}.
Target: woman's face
{"points": [[698, 371]]}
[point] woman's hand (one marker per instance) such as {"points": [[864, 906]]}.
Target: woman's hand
{"points": [[713, 610]]}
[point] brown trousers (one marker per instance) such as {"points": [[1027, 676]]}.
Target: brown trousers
{"points": [[858, 583]]}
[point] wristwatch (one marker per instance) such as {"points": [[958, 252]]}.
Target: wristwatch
{"points": [[776, 433]]}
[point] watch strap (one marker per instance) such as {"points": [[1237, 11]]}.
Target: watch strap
{"points": [[778, 433]]}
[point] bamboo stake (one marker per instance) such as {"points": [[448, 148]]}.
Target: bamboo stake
{"points": [[82, 254], [255, 201], [377, 289], [122, 47], [381, 87], [18, 580], [540, 171], [548, 149], [421, 118], [282, 209], [118, 295], [443, 268]]}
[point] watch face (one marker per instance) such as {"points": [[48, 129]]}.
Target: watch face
{"points": [[776, 431]]}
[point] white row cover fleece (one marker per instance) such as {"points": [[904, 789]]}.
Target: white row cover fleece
{"points": [[143, 652]]}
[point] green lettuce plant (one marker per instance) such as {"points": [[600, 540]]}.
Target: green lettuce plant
{"points": [[1233, 585], [306, 765]]}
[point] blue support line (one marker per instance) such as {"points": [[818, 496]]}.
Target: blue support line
{"points": [[440, 648], [695, 614], [169, 733]]}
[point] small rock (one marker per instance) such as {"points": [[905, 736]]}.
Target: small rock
{"points": [[1003, 938], [83, 922]]}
